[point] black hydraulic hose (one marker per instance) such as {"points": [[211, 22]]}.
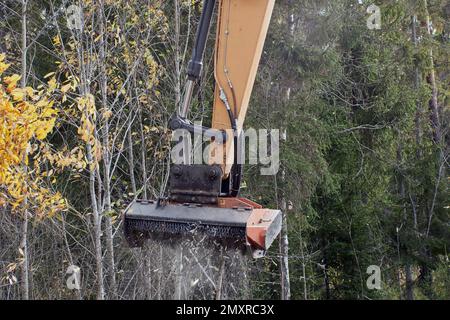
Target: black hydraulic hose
{"points": [[237, 170]]}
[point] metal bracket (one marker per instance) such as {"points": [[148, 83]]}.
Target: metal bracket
{"points": [[177, 122], [195, 183]]}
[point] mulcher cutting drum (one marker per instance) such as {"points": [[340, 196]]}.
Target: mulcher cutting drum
{"points": [[243, 225]]}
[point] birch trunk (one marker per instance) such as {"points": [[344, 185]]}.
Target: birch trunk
{"points": [[177, 55], [179, 254], [25, 285], [284, 249], [93, 167], [146, 256], [178, 275], [284, 241], [107, 159], [219, 293], [143, 155], [131, 158]]}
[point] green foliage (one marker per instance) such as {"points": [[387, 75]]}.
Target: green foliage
{"points": [[353, 174]]}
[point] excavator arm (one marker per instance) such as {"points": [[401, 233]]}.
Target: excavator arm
{"points": [[241, 31], [203, 198]]}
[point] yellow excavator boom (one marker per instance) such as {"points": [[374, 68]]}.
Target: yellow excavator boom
{"points": [[241, 31]]}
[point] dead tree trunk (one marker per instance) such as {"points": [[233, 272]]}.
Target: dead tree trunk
{"points": [[418, 116], [409, 295], [431, 79]]}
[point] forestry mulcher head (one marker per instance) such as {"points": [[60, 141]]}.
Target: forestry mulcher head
{"points": [[199, 213]]}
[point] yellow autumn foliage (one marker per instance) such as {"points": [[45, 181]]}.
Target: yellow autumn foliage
{"points": [[26, 118]]}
